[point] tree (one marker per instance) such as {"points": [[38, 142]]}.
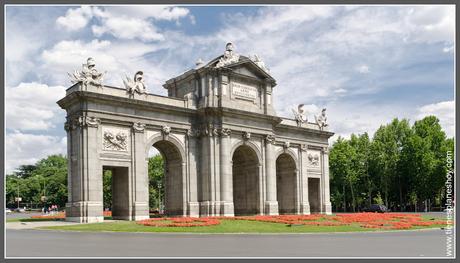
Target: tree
{"points": [[47, 177], [341, 168], [156, 180]]}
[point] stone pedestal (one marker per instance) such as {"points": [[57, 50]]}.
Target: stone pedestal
{"points": [[271, 208], [84, 212], [193, 209], [140, 211]]}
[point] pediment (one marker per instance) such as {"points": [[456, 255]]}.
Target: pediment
{"points": [[247, 67]]}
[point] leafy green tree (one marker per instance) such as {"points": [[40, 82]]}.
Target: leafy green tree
{"points": [[342, 157], [156, 180], [47, 177], [107, 188]]}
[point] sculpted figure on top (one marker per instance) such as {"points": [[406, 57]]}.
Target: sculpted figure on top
{"points": [[321, 119], [256, 59], [300, 115], [229, 56], [88, 74], [136, 84]]}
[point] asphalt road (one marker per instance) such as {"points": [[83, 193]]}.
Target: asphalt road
{"points": [[39, 243]]}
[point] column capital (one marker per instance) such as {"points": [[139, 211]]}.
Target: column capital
{"points": [[325, 150], [193, 133], [225, 132], [88, 121]]}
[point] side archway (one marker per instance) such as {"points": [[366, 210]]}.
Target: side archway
{"points": [[286, 182]]}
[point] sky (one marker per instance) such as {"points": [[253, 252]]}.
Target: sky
{"points": [[365, 64]]}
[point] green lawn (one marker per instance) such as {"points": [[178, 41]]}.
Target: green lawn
{"points": [[226, 226]]}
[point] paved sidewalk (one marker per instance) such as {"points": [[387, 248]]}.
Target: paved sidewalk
{"points": [[31, 225]]}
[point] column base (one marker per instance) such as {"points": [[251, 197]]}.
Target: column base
{"points": [[140, 211], [271, 208], [84, 212], [193, 209], [327, 209], [209, 208], [305, 209], [227, 209]]}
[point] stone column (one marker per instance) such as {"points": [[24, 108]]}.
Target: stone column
{"points": [[193, 205], [205, 174], [304, 202], [271, 203], [327, 208], [226, 180], [140, 174], [86, 174], [68, 129]]}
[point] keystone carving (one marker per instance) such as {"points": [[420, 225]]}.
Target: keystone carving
{"points": [[270, 139], [138, 127], [286, 145], [246, 135], [165, 130]]}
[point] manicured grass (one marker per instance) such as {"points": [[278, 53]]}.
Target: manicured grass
{"points": [[226, 226]]}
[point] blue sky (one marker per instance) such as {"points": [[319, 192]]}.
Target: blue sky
{"points": [[366, 64]]}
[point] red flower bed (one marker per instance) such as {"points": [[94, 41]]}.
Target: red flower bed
{"points": [[59, 215], [179, 222], [365, 220], [107, 213]]}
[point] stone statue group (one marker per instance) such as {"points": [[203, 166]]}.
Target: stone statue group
{"points": [[300, 115], [89, 75]]}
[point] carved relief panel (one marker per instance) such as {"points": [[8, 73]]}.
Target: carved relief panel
{"points": [[314, 159], [115, 139]]}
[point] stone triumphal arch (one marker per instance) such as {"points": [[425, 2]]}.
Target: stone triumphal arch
{"points": [[226, 152]]}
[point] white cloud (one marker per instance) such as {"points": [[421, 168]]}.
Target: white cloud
{"points": [[445, 111], [32, 106], [23, 148], [158, 12], [123, 22], [117, 59], [76, 18], [127, 28], [363, 69]]}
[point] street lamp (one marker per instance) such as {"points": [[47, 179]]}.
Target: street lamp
{"points": [[159, 197]]}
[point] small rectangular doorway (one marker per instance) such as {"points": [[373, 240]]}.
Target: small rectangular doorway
{"points": [[116, 180], [314, 195]]}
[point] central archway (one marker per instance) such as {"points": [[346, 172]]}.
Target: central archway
{"points": [[173, 179], [245, 169]]}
